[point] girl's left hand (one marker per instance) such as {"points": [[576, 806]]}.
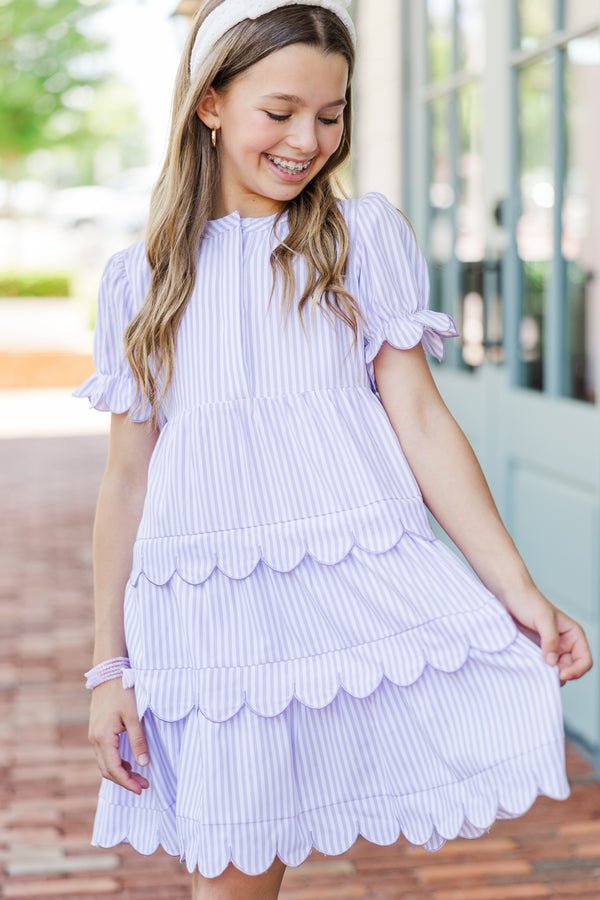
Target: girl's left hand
{"points": [[553, 630]]}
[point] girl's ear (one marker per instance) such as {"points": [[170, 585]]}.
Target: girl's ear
{"points": [[207, 110]]}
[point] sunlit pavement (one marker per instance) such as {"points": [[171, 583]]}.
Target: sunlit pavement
{"points": [[52, 454], [48, 412]]}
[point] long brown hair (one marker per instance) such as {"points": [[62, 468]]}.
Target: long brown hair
{"points": [[182, 198]]}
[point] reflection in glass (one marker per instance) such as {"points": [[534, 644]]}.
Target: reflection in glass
{"points": [[470, 230], [441, 201], [441, 192], [536, 21], [581, 12], [472, 316], [534, 227], [471, 44], [580, 236], [440, 15]]}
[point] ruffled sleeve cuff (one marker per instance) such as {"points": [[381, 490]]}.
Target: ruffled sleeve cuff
{"points": [[112, 387], [113, 393], [404, 332]]}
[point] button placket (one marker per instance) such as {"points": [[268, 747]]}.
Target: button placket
{"points": [[243, 368]]}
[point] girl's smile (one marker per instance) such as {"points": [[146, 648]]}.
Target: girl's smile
{"points": [[286, 172]]}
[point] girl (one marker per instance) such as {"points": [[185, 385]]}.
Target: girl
{"points": [[308, 662]]}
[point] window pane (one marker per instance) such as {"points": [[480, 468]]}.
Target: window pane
{"points": [[471, 231], [471, 45], [581, 12], [441, 192], [580, 237], [440, 14], [534, 227], [536, 20], [441, 202], [470, 228]]}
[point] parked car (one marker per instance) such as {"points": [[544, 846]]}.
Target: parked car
{"points": [[120, 204]]}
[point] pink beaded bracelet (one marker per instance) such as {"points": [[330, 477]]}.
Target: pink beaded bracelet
{"points": [[104, 671]]}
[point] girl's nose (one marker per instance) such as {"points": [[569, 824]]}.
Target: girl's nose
{"points": [[304, 140]]}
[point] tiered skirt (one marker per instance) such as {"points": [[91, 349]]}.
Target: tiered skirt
{"points": [[382, 693]]}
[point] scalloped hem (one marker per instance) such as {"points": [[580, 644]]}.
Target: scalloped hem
{"points": [[443, 644], [328, 538], [428, 819]]}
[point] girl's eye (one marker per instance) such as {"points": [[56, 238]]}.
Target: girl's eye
{"points": [[283, 118]]}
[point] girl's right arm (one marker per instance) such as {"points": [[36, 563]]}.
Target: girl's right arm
{"points": [[118, 513]]}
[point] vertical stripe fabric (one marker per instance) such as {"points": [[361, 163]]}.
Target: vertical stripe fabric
{"points": [[310, 662]]}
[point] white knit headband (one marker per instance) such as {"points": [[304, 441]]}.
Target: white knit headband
{"points": [[230, 12]]}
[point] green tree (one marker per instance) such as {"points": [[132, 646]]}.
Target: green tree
{"points": [[49, 71]]}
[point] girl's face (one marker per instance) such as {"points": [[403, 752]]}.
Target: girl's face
{"points": [[254, 125]]}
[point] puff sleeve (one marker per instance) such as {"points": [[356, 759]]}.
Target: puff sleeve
{"points": [[394, 284], [112, 386]]}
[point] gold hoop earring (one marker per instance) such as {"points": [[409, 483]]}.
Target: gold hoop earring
{"points": [[213, 137]]}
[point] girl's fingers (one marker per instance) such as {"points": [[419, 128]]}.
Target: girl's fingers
{"points": [[575, 657], [137, 738], [113, 767], [563, 664], [141, 779], [580, 651], [576, 669], [548, 629], [116, 771], [576, 660], [113, 710]]}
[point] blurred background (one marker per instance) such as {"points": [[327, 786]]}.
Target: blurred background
{"points": [[481, 120], [84, 112]]}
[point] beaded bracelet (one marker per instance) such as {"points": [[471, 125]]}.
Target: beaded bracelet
{"points": [[104, 671]]}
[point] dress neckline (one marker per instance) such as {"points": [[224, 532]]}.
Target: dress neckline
{"points": [[246, 223]]}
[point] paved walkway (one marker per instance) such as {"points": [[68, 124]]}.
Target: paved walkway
{"points": [[48, 773]]}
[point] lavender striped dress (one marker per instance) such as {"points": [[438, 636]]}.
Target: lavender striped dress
{"points": [[311, 663]]}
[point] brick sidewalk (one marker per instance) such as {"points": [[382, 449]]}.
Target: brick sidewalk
{"points": [[49, 777]]}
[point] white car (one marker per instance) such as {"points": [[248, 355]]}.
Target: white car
{"points": [[120, 204]]}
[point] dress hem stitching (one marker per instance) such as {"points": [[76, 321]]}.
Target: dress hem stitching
{"points": [[313, 809]]}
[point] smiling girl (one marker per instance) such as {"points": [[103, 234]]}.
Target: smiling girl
{"points": [[300, 660]]}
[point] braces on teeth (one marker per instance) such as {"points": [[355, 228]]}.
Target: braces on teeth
{"points": [[290, 167]]}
